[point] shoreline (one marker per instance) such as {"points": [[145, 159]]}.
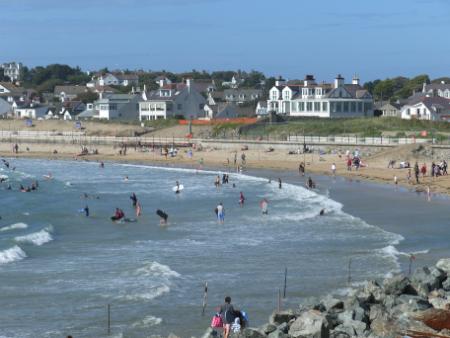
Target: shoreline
{"points": [[315, 164]]}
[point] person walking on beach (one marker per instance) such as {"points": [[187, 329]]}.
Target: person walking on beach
{"points": [[416, 172], [395, 180], [349, 164], [86, 211], [220, 211], [408, 175], [228, 314], [423, 170], [333, 169]]}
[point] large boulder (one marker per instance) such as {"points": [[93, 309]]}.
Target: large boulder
{"points": [[251, 333], [268, 328], [444, 265], [310, 324], [352, 328], [210, 333], [279, 317], [374, 289], [339, 334], [437, 319], [446, 284], [332, 304], [397, 285], [277, 334], [410, 303], [424, 280]]}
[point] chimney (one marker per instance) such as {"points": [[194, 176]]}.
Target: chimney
{"points": [[280, 81], [355, 80], [338, 81], [309, 79], [189, 83], [145, 88]]}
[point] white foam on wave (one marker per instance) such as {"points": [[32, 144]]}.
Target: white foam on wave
{"points": [[151, 294], [37, 238], [146, 322], [155, 269], [12, 254], [15, 226], [391, 251]]}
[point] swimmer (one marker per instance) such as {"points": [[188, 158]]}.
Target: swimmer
{"points": [[177, 184], [162, 217], [125, 178], [134, 199], [264, 205], [279, 183], [241, 199], [86, 211], [118, 215], [322, 212]]}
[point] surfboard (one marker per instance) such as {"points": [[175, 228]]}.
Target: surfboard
{"points": [[180, 187]]}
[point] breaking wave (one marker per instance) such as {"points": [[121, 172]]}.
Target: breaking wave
{"points": [[14, 226], [12, 254], [37, 238]]}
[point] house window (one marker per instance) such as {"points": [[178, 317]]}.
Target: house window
{"points": [[309, 106], [113, 106], [345, 106], [338, 107], [316, 106], [293, 106], [353, 106], [287, 95], [274, 95], [367, 106], [301, 106], [360, 106], [305, 91], [179, 106], [408, 111], [324, 106], [318, 91], [311, 91]]}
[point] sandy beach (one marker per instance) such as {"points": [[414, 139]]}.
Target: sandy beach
{"points": [[375, 161]]}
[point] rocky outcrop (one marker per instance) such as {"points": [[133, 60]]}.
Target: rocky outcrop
{"points": [[419, 304]]}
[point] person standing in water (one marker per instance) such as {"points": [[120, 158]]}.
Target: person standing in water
{"points": [[134, 199], [220, 213], [177, 184], [217, 182], [279, 183], [86, 211], [333, 169], [264, 205], [241, 199]]}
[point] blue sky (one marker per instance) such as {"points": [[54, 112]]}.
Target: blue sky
{"points": [[375, 39]]}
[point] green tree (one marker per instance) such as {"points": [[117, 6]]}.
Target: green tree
{"points": [[87, 97]]}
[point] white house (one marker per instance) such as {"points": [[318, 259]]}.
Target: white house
{"points": [[172, 100], [261, 109], [30, 111], [437, 89], [311, 99], [116, 79], [427, 108], [242, 95], [13, 70], [234, 83], [391, 110], [66, 110], [68, 93]]}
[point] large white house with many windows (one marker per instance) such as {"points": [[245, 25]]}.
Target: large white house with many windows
{"points": [[311, 99]]}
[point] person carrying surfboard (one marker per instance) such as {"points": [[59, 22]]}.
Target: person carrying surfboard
{"points": [[177, 185]]}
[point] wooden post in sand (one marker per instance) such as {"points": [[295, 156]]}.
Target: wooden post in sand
{"points": [[205, 297], [349, 278], [109, 319], [279, 300], [285, 283]]}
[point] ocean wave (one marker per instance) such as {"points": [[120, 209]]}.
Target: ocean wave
{"points": [[146, 322], [391, 251], [12, 254], [15, 226], [155, 269], [37, 238], [149, 295]]}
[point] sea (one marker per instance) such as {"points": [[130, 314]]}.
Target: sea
{"points": [[62, 273]]}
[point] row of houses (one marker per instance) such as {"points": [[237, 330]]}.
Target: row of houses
{"points": [[432, 103]]}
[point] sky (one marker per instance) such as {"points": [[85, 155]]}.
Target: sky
{"points": [[291, 38]]}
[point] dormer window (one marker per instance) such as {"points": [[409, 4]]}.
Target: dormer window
{"points": [[286, 95], [274, 95], [304, 91]]}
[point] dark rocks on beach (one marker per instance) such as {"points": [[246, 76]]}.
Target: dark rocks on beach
{"points": [[387, 310], [278, 318], [311, 324]]}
